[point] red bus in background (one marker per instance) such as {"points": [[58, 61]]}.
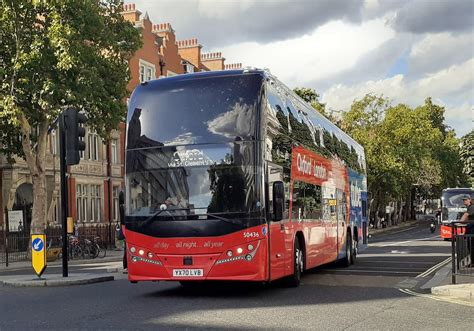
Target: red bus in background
{"points": [[231, 176], [452, 208]]}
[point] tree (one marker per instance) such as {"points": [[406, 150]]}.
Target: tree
{"points": [[445, 155], [467, 156], [57, 54], [400, 145]]}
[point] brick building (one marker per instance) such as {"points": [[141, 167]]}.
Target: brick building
{"points": [[95, 182]]}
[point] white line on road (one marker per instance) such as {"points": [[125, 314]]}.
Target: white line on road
{"points": [[397, 262], [434, 268], [433, 297], [395, 243], [370, 271]]}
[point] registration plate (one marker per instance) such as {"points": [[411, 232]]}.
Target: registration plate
{"points": [[188, 272]]}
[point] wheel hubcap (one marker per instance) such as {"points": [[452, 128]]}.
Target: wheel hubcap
{"points": [[299, 260]]}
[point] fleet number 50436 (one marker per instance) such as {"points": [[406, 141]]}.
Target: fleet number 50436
{"points": [[253, 234]]}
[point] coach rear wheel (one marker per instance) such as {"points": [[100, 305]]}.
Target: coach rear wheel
{"points": [[355, 250], [346, 260]]}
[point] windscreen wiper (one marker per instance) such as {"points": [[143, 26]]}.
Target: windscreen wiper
{"points": [[149, 219], [228, 220]]}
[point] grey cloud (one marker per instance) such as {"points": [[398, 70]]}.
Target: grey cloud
{"points": [[373, 66], [435, 16], [262, 21], [441, 51]]}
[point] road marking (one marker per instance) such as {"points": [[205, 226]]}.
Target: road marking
{"points": [[434, 268], [402, 230], [433, 297], [371, 271], [395, 243], [383, 268], [397, 262], [388, 234], [410, 255]]}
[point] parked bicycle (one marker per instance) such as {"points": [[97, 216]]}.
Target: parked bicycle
{"points": [[102, 250]]}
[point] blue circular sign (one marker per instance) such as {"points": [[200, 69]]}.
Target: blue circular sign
{"points": [[37, 245]]}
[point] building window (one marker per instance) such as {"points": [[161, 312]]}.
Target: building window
{"points": [[114, 148], [147, 71], [93, 144], [95, 202], [81, 202], [115, 203], [188, 67]]}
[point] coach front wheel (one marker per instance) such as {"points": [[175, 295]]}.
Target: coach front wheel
{"points": [[298, 265]]}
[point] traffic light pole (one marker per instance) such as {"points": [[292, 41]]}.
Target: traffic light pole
{"points": [[64, 197]]}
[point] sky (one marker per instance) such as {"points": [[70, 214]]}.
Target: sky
{"points": [[404, 50]]}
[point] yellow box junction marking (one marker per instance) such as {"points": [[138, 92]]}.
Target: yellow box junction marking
{"points": [[38, 253]]}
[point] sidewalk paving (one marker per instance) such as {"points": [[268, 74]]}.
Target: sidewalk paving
{"points": [[112, 255], [441, 286], [401, 226], [55, 279]]}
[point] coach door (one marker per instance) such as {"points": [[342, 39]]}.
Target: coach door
{"points": [[277, 229]]}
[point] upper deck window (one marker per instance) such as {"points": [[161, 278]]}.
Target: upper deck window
{"points": [[194, 111]]}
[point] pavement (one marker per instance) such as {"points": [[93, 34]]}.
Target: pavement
{"points": [[54, 279], [440, 285]]}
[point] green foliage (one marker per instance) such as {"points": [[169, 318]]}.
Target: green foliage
{"points": [[56, 54], [404, 148], [467, 157]]}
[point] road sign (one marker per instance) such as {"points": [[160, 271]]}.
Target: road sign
{"points": [[38, 253]]}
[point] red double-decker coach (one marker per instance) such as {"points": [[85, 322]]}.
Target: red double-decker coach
{"points": [[231, 176]]}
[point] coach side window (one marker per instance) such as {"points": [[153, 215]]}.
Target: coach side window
{"points": [[307, 201]]}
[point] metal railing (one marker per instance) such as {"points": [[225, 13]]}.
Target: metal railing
{"points": [[462, 249], [16, 247]]}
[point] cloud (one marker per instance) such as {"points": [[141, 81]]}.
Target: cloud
{"points": [[460, 117], [446, 86], [406, 50], [437, 51], [435, 16], [228, 22], [331, 48], [373, 65]]}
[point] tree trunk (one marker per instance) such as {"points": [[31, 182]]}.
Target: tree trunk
{"points": [[35, 158], [39, 213], [395, 213], [408, 207], [400, 211]]}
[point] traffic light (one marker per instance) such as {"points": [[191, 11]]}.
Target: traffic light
{"points": [[74, 134]]}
